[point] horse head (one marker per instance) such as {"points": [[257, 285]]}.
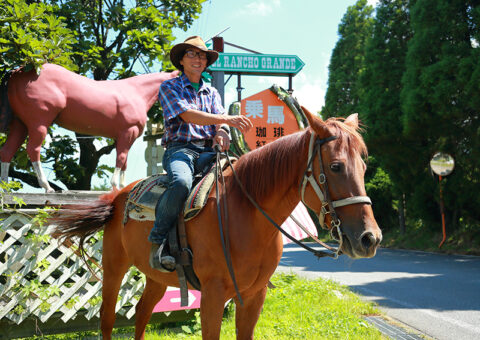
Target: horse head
{"points": [[334, 187]]}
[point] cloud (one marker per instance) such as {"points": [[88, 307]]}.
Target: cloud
{"points": [[261, 8], [310, 94], [373, 2]]}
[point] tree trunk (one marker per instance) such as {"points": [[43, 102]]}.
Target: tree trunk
{"points": [[401, 213]]}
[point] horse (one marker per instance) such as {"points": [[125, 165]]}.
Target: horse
{"points": [[274, 177], [111, 108]]}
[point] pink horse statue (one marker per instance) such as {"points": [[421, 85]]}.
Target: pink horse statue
{"points": [[112, 108]]}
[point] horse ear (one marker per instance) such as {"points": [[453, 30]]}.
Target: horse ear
{"points": [[352, 120], [316, 122], [311, 117]]}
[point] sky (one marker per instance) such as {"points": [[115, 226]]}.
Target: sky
{"points": [[305, 28]]}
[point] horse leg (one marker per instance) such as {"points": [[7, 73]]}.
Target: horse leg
{"points": [[36, 137], [115, 265], [152, 293], [246, 316], [16, 136], [211, 309]]}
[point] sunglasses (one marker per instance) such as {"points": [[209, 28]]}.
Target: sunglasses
{"points": [[193, 54]]}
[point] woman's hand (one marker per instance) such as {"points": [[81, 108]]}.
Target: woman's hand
{"points": [[240, 122]]}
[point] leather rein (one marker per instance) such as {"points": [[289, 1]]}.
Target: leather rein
{"points": [[321, 190]]}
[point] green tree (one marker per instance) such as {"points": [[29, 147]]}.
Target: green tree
{"points": [[439, 111], [111, 38], [346, 63], [31, 35], [380, 104]]}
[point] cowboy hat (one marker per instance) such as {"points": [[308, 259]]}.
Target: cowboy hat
{"points": [[178, 51]]}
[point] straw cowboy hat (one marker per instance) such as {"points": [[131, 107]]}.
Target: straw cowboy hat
{"points": [[177, 52]]}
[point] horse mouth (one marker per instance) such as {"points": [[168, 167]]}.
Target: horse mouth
{"points": [[352, 251]]}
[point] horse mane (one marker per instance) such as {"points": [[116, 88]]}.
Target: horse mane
{"points": [[267, 168], [349, 137]]}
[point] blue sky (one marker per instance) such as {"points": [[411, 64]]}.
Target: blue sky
{"points": [[306, 28]]}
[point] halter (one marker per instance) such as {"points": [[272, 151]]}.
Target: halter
{"points": [[328, 206]]}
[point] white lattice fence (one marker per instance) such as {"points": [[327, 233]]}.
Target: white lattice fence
{"points": [[39, 277]]}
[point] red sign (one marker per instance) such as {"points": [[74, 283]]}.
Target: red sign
{"points": [[270, 116], [171, 300]]}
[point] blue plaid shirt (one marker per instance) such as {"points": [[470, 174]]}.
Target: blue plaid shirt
{"points": [[176, 96]]}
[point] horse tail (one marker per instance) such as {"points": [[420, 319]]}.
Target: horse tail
{"points": [[83, 220]]}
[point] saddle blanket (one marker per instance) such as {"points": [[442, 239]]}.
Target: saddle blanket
{"points": [[144, 196]]}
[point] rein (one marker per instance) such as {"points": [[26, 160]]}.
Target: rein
{"points": [[308, 178], [317, 253], [224, 237]]}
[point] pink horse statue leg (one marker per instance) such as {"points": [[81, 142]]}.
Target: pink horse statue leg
{"points": [[124, 142], [18, 133], [36, 136]]}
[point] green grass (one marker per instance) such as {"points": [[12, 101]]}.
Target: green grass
{"points": [[297, 309], [465, 240]]}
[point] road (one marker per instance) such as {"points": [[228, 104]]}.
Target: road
{"points": [[438, 295]]}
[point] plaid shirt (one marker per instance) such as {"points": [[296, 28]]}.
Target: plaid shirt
{"points": [[176, 96]]}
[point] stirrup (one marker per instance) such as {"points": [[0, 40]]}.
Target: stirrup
{"points": [[165, 263]]}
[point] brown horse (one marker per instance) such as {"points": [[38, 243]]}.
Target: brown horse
{"points": [[272, 175], [113, 108]]}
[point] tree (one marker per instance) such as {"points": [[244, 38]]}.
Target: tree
{"points": [[380, 104], [346, 63], [111, 37], [439, 111], [31, 35]]}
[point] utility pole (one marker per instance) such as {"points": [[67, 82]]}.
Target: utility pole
{"points": [[218, 77]]}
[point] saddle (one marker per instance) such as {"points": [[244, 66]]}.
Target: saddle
{"points": [[140, 205]]}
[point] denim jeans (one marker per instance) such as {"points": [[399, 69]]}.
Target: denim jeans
{"points": [[180, 162]]}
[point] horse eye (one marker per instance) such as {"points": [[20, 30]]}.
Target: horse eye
{"points": [[336, 167]]}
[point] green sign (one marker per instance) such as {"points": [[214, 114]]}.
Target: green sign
{"points": [[273, 64]]}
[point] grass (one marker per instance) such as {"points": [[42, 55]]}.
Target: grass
{"points": [[464, 241], [296, 309]]}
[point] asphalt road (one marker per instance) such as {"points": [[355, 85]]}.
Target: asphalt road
{"points": [[438, 295]]}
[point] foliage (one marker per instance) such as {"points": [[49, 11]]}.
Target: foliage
{"points": [[111, 37], [437, 98], [31, 34], [416, 88], [30, 291], [346, 63], [379, 188]]}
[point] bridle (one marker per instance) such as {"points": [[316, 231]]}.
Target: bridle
{"points": [[321, 188]]}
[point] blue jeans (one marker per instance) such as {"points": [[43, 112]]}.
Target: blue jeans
{"points": [[181, 162]]}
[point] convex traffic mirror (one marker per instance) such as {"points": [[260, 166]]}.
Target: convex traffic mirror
{"points": [[442, 164]]}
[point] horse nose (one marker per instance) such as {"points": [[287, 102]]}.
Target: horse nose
{"points": [[369, 240]]}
